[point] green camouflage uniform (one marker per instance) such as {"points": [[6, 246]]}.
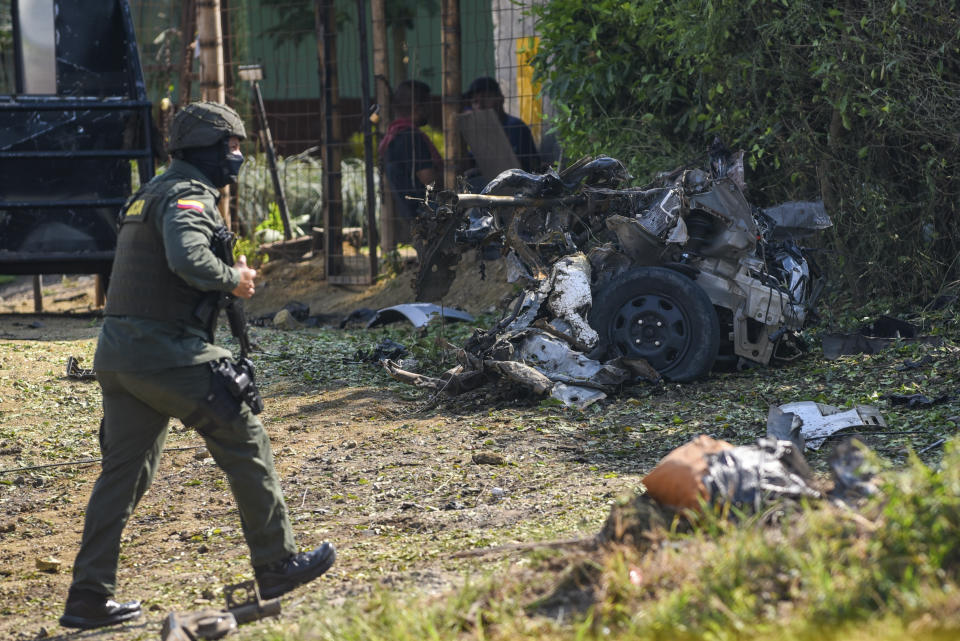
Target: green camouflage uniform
{"points": [[150, 370]]}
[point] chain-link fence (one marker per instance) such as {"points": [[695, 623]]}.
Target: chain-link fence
{"points": [[321, 96]]}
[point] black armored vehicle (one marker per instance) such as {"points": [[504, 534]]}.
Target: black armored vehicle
{"points": [[74, 127]]}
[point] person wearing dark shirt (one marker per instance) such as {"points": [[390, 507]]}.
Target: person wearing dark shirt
{"points": [[485, 93], [410, 159]]}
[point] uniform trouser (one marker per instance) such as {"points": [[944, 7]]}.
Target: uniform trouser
{"points": [[136, 411]]}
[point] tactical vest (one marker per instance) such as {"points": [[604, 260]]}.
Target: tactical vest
{"points": [[141, 282]]}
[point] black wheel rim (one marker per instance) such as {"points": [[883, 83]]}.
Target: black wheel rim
{"points": [[652, 327]]}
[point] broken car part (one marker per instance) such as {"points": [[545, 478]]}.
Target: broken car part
{"points": [[851, 473], [683, 273], [916, 400], [818, 420], [419, 314], [881, 334]]}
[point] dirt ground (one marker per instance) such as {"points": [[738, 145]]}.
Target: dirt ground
{"points": [[365, 463], [401, 482]]}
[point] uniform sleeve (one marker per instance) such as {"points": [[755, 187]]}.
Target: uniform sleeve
{"points": [[187, 226]]}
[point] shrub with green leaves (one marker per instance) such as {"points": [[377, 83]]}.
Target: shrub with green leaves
{"points": [[856, 102]]}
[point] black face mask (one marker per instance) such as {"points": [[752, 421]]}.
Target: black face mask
{"points": [[216, 162], [231, 165]]}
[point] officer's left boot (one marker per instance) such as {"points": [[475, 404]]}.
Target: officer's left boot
{"points": [[281, 577], [86, 609]]}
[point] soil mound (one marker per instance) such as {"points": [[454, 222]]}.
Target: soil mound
{"points": [[479, 287]]}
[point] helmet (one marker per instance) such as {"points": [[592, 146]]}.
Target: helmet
{"points": [[201, 124]]}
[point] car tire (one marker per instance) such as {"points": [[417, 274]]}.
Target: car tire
{"points": [[661, 316]]}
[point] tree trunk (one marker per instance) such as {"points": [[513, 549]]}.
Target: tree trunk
{"points": [[452, 89], [381, 79], [210, 41]]}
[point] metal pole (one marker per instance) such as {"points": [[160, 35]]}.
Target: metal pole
{"points": [[367, 139], [452, 89], [38, 293], [325, 24], [272, 160]]}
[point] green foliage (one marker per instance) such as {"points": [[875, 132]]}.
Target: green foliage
{"points": [[248, 247], [855, 103], [918, 544], [271, 227], [353, 187], [830, 565]]}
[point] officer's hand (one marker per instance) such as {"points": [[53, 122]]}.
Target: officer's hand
{"points": [[246, 288]]}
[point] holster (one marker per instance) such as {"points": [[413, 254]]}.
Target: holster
{"points": [[230, 385]]}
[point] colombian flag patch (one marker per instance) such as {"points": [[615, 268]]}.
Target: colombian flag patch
{"points": [[190, 204]]}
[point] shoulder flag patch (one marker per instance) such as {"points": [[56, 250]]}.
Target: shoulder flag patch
{"points": [[190, 204]]}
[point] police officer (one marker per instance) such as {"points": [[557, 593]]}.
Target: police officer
{"points": [[153, 361]]}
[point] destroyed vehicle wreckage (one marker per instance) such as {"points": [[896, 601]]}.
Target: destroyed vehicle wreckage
{"points": [[681, 276]]}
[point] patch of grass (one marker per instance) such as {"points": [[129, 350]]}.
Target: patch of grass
{"points": [[823, 572]]}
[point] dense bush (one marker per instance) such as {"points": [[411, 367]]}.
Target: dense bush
{"points": [[856, 102]]}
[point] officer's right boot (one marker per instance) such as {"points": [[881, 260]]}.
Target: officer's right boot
{"points": [[86, 609], [295, 570]]}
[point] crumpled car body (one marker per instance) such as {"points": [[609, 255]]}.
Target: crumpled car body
{"points": [[684, 274]]}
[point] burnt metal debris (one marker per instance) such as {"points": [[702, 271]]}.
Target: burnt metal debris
{"points": [[243, 605], [74, 370], [627, 284], [883, 333]]}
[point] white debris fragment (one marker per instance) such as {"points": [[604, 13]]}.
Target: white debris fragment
{"points": [[574, 396], [821, 420], [570, 298]]}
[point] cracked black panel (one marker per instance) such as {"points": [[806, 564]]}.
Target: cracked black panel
{"points": [[66, 158], [91, 58], [68, 130]]}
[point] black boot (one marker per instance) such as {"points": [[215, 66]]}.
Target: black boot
{"points": [[281, 577], [86, 609]]}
